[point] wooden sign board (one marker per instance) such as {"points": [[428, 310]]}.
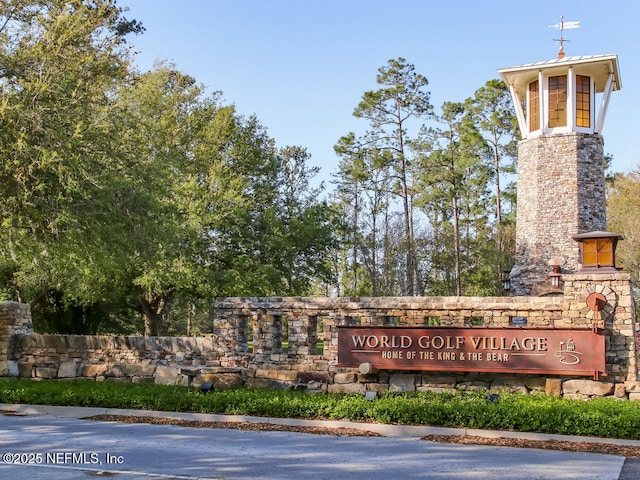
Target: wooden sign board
{"points": [[499, 350]]}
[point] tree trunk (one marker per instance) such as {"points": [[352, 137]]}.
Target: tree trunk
{"points": [[408, 230], [356, 245], [408, 218], [416, 268], [373, 269], [456, 242], [456, 227], [190, 317], [496, 163], [388, 273], [152, 307]]}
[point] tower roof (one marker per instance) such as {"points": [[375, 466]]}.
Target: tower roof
{"points": [[599, 67]]}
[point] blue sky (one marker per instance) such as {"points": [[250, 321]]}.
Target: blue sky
{"points": [[301, 66]]}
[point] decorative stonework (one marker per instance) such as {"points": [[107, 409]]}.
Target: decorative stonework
{"points": [[226, 360], [561, 192], [606, 313], [15, 319]]}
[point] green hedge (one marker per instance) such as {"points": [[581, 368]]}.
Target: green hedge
{"points": [[526, 413]]}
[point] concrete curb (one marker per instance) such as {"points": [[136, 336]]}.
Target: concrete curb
{"points": [[403, 431]]}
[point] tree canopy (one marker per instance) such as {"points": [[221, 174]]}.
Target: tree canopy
{"points": [[129, 200], [414, 190], [128, 193], [622, 207]]}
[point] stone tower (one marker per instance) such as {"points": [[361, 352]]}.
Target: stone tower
{"points": [[561, 183]]}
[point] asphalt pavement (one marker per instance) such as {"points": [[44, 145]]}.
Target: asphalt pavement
{"points": [[55, 443]]}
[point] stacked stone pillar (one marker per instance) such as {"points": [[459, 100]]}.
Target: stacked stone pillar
{"points": [[15, 319], [231, 337], [617, 319], [561, 192], [303, 335]]}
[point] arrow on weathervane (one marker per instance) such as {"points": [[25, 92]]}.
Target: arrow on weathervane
{"points": [[562, 26]]}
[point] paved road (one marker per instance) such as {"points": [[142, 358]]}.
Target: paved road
{"points": [[72, 449]]}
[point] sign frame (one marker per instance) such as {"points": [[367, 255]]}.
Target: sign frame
{"points": [[551, 351]]}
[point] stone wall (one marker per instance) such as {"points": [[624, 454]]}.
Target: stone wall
{"points": [[291, 342], [166, 360], [561, 192]]}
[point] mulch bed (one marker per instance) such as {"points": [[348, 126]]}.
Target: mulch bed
{"points": [[253, 426], [588, 447]]}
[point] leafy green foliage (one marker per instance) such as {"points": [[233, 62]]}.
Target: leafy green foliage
{"points": [[401, 100], [527, 413], [127, 195], [61, 196], [418, 209], [622, 206]]}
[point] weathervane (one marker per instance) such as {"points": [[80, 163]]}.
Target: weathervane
{"points": [[562, 26]]}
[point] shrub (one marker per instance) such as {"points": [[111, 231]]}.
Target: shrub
{"points": [[528, 413]]}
